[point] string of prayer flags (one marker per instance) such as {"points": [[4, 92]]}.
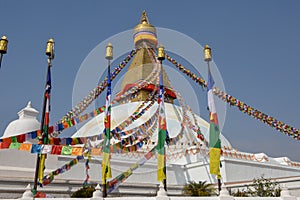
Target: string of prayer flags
{"points": [[50, 177], [82, 105], [116, 182], [232, 101]]}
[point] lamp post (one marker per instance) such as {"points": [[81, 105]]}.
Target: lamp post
{"points": [[44, 138], [3, 47], [208, 59], [161, 56], [106, 171]]}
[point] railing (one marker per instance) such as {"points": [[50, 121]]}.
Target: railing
{"points": [[162, 195]]}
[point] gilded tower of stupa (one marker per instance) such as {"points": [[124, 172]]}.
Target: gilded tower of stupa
{"points": [[145, 41]]}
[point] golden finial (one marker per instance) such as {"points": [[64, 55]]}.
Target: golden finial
{"points": [[144, 18], [50, 48], [109, 52], [3, 45], [161, 53], [144, 33], [207, 53]]}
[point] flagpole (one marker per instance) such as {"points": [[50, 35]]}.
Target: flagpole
{"points": [[109, 57], [208, 58], [161, 57], [50, 54], [3, 47]]}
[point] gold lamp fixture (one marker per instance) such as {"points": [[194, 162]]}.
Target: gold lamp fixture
{"points": [[207, 53], [50, 48], [3, 47]]}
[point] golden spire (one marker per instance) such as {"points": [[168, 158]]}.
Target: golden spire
{"points": [[142, 64], [144, 18], [144, 33]]}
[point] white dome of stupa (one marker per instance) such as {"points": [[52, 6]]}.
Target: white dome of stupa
{"points": [[173, 116], [27, 122]]}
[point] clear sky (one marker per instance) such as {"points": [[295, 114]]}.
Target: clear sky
{"points": [[255, 46]]}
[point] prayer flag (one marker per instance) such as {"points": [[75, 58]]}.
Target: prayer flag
{"points": [[25, 147], [214, 132], [66, 150]]}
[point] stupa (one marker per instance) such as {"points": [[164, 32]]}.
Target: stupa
{"points": [[187, 160], [27, 122]]}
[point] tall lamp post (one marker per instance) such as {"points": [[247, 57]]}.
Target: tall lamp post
{"points": [[106, 170], [44, 138], [162, 126], [3, 47], [208, 59]]}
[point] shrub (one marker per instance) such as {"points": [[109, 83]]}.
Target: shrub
{"points": [[261, 187], [85, 192], [199, 189]]}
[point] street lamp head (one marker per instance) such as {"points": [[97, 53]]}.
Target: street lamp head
{"points": [[109, 51], [207, 53], [3, 45], [50, 48], [161, 53]]}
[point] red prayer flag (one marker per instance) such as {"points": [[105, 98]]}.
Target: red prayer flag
{"points": [[56, 150]]}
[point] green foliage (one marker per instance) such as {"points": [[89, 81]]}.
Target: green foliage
{"points": [[199, 189], [240, 193], [85, 192], [261, 187]]}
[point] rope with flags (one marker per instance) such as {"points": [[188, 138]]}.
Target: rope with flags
{"points": [[87, 167], [50, 177], [242, 106], [116, 182], [82, 105]]}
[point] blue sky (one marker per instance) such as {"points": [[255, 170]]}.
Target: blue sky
{"points": [[255, 46]]}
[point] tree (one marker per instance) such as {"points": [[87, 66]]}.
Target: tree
{"points": [[261, 187], [199, 189], [85, 192]]}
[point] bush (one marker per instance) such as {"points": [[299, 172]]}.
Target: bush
{"points": [[261, 187], [85, 192], [240, 193], [199, 189]]}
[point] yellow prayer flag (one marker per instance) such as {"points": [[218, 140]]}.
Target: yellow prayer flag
{"points": [[214, 156], [106, 170], [160, 167], [41, 168], [25, 147], [77, 151]]}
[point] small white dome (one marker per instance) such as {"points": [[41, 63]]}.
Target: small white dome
{"points": [[27, 122]]}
